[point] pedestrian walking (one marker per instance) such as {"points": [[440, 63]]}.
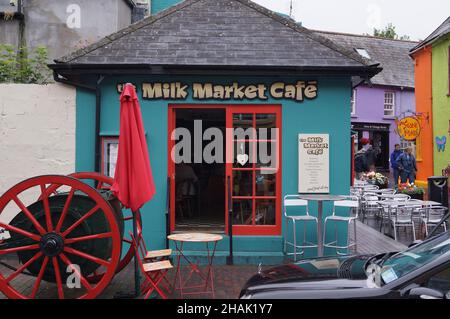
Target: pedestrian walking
{"points": [[407, 166], [394, 158]]}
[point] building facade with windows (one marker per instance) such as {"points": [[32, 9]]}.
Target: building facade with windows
{"points": [[64, 26], [376, 104], [432, 67], [220, 66]]}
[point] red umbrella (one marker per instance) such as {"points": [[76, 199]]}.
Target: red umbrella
{"points": [[133, 179]]}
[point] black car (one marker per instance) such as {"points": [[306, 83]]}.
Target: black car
{"points": [[422, 271]]}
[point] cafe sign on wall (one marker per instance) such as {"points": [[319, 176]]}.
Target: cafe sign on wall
{"points": [[297, 91], [314, 163], [408, 128]]}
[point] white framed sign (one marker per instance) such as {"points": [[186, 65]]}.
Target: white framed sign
{"points": [[314, 163], [109, 155]]}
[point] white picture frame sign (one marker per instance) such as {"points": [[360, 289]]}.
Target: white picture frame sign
{"points": [[314, 163]]}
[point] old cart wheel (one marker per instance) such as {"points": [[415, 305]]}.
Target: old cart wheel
{"points": [[104, 182], [55, 243]]}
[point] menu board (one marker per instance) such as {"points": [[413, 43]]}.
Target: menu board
{"points": [[313, 163]]}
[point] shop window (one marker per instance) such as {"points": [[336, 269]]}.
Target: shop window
{"points": [[110, 147], [389, 104], [353, 103]]}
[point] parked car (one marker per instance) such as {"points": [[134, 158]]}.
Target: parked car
{"points": [[421, 271]]}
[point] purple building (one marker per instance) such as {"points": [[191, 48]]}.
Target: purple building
{"points": [[389, 95]]}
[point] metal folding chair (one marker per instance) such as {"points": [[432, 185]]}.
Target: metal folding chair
{"points": [[154, 272]]}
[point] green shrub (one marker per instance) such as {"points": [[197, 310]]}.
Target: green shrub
{"points": [[21, 66]]}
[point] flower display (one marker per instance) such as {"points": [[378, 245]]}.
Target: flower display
{"points": [[410, 189], [375, 178]]}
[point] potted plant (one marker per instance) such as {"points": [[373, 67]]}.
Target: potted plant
{"points": [[376, 179], [412, 190]]}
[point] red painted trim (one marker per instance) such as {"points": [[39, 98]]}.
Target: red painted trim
{"points": [[257, 230], [230, 109]]}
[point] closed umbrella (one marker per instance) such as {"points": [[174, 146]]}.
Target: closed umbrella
{"points": [[133, 179]]}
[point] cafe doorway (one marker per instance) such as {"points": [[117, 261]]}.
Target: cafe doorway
{"points": [[246, 177], [199, 183]]}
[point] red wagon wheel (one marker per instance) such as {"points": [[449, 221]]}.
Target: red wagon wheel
{"points": [[104, 182], [45, 240]]}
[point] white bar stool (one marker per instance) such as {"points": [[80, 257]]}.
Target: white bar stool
{"points": [[294, 201], [352, 203]]}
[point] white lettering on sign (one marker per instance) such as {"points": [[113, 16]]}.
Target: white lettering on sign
{"points": [[313, 163]]}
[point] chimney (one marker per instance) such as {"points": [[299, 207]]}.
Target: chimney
{"points": [[140, 10]]}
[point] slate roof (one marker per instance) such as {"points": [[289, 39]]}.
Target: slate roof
{"points": [[393, 56], [442, 30], [218, 33]]}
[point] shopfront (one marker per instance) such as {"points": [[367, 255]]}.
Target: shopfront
{"points": [[379, 136], [225, 103]]}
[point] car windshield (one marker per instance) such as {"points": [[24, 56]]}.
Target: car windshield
{"points": [[413, 258]]}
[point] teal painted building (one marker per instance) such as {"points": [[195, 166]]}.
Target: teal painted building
{"points": [[264, 71]]}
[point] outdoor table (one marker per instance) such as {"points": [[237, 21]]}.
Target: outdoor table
{"points": [[430, 203], [207, 287], [320, 199], [386, 195]]}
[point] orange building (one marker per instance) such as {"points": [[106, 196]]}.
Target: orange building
{"points": [[424, 104]]}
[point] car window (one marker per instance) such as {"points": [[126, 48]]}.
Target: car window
{"points": [[440, 281], [413, 258]]}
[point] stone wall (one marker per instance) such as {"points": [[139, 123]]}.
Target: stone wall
{"points": [[37, 133]]}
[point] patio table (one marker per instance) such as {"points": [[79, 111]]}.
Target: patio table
{"points": [[207, 275], [320, 199]]}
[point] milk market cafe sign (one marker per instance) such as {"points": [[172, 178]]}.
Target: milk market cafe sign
{"points": [[408, 128], [297, 91]]}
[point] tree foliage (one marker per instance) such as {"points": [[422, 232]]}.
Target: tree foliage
{"points": [[389, 33], [21, 66]]}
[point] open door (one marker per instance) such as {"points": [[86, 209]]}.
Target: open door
{"points": [[253, 165]]}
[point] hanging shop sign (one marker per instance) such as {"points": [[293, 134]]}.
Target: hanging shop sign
{"points": [[297, 91], [408, 128], [314, 163]]}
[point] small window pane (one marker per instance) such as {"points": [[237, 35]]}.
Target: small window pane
{"points": [[242, 183], [265, 183], [243, 155], [265, 212], [242, 211]]}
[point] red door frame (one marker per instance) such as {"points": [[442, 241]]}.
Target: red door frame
{"points": [[230, 109]]}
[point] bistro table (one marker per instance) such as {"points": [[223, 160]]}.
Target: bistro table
{"points": [[207, 276], [320, 199]]}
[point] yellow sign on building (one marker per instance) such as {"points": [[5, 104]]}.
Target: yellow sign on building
{"points": [[408, 128]]}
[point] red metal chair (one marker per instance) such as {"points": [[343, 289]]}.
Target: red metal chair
{"points": [[153, 255], [154, 272]]}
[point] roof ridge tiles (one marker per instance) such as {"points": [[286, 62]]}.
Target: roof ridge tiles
{"points": [[368, 36]]}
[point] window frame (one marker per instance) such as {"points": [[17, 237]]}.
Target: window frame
{"points": [[105, 142], [392, 105], [353, 102]]}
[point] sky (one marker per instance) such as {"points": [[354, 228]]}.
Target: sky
{"points": [[415, 18]]}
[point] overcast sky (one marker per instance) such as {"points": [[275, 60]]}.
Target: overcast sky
{"points": [[415, 18]]}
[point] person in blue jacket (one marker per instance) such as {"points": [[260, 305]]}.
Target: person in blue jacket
{"points": [[394, 156], [407, 166]]}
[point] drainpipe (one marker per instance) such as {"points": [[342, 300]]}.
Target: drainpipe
{"points": [[98, 109], [96, 89], [22, 45]]}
